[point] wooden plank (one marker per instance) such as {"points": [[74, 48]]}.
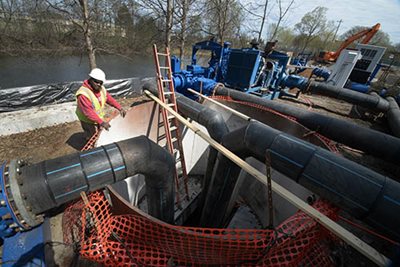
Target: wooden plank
{"points": [[241, 115], [335, 228]]}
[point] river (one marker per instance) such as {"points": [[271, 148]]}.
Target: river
{"points": [[18, 72]]}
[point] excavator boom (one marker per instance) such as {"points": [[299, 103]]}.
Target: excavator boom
{"points": [[367, 34]]}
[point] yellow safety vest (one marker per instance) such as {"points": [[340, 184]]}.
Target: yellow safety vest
{"points": [[98, 106]]}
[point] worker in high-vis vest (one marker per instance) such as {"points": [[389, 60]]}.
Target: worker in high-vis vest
{"points": [[91, 98]]}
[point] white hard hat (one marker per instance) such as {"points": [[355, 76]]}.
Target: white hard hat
{"points": [[98, 74]]}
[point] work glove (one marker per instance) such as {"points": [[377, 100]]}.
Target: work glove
{"points": [[105, 125], [122, 112]]}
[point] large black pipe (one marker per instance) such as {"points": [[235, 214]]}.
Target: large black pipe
{"points": [[393, 116], [216, 127], [374, 102], [363, 193], [373, 142], [50, 183], [214, 123]]}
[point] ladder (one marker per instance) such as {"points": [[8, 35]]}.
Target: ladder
{"points": [[166, 93]]}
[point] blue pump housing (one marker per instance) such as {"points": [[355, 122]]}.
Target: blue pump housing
{"points": [[241, 69]]}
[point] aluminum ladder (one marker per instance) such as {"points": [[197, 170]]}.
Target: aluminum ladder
{"points": [[166, 93]]}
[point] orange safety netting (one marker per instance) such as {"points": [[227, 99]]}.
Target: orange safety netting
{"points": [[136, 240]]}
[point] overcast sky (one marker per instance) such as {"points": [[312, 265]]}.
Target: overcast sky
{"points": [[355, 12]]}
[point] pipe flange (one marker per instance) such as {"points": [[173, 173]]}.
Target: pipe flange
{"points": [[25, 219]]}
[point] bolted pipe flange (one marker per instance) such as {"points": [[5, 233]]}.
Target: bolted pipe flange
{"points": [[14, 200]]}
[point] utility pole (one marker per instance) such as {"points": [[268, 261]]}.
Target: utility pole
{"points": [[337, 29]]}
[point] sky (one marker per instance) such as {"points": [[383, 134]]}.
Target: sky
{"points": [[355, 13]]}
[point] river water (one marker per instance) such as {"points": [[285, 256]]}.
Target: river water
{"points": [[18, 72]]}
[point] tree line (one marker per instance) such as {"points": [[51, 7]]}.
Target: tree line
{"points": [[126, 27]]}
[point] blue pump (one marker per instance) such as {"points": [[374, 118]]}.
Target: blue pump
{"points": [[241, 69]]}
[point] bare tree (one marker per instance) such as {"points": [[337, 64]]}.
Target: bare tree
{"points": [[77, 11], [329, 31], [163, 11], [87, 33], [182, 14], [259, 20], [224, 18], [311, 24], [187, 18], [168, 23], [264, 16], [14, 34], [26, 26], [282, 14]]}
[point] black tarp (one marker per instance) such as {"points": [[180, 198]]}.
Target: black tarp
{"points": [[38, 95]]}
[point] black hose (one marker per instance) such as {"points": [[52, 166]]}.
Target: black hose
{"points": [[393, 116], [374, 102], [214, 123], [216, 127], [362, 192], [51, 183], [373, 142]]}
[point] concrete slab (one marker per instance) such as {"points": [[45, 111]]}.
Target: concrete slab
{"points": [[37, 117]]}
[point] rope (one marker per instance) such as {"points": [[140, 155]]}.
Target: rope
{"points": [[328, 142], [308, 101], [368, 230]]}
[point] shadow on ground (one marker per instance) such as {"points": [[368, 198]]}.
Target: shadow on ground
{"points": [[76, 141]]}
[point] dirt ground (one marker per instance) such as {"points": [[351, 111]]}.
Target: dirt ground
{"points": [[50, 142]]}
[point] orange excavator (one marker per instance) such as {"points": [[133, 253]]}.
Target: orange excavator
{"points": [[330, 56]]}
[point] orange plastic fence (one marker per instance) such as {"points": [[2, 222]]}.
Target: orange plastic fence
{"points": [[134, 240]]}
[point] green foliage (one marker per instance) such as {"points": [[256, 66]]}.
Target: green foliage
{"points": [[124, 18], [147, 32], [397, 47], [312, 24], [285, 37], [129, 26]]}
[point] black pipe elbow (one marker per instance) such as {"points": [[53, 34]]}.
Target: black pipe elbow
{"points": [[216, 127], [151, 87], [222, 181], [51, 183], [393, 116], [213, 121], [368, 101], [157, 165]]}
